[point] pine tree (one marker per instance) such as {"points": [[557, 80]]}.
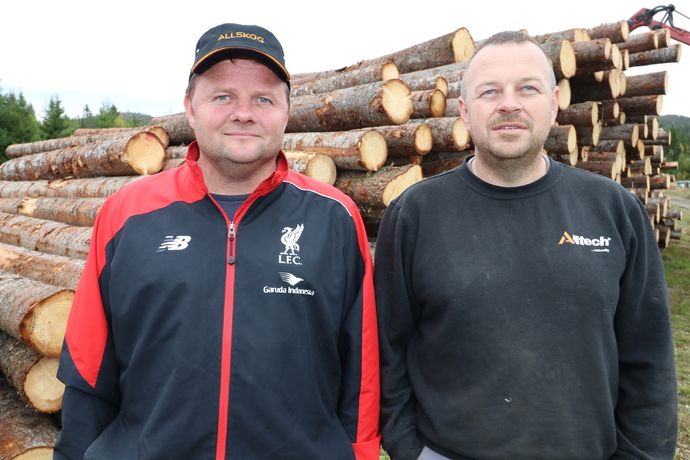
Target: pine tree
{"points": [[18, 122], [87, 119], [55, 123], [109, 117]]}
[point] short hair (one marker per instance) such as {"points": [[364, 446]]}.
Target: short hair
{"points": [[516, 37]]}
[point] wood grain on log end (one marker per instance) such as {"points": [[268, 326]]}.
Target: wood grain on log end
{"points": [[389, 71], [397, 101], [145, 153], [567, 59], [564, 94], [423, 139], [44, 326], [399, 184], [462, 44], [373, 150], [42, 386]]}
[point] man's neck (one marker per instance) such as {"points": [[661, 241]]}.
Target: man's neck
{"points": [[227, 178], [509, 173]]}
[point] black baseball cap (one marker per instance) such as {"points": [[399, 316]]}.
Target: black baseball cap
{"points": [[237, 40]]}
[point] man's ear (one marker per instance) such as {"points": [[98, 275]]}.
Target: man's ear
{"points": [[189, 110], [464, 114], [554, 103]]}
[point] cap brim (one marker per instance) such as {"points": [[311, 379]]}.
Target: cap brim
{"points": [[212, 57]]}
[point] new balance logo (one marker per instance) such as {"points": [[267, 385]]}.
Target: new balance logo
{"points": [[601, 242], [174, 243]]}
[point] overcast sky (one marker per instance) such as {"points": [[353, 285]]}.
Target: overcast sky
{"points": [[137, 54]]}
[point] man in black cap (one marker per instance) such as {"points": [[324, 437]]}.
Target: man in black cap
{"points": [[226, 309]]}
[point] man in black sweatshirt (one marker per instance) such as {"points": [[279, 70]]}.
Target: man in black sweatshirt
{"points": [[523, 312]]}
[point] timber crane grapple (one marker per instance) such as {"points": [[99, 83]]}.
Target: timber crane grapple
{"points": [[645, 17]]}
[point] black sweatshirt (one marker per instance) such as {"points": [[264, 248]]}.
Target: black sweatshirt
{"points": [[523, 323]]}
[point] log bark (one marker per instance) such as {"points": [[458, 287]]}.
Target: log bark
{"points": [[615, 62], [176, 152], [664, 37], [449, 134], [23, 433], [428, 104], [345, 79], [178, 128], [85, 136], [141, 153], [33, 375], [609, 88], [650, 84], [610, 111], [636, 43], [424, 84], [616, 31], [615, 145], [572, 35], [563, 57], [562, 140], [588, 136], [65, 188], [660, 182], [585, 114], [641, 105], [658, 56], [439, 162], [629, 134], [635, 152], [314, 165], [617, 159], [71, 211], [45, 235], [47, 268], [637, 182], [378, 189], [593, 53], [375, 104], [34, 312], [355, 150], [609, 169], [412, 138], [643, 166], [457, 46]]}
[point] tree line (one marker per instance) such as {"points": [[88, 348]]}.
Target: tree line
{"points": [[18, 122], [679, 150]]}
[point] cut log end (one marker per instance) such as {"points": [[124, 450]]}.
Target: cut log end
{"points": [[42, 387], [442, 85], [145, 153], [40, 453], [568, 61], [44, 327], [564, 94], [398, 185], [373, 150], [461, 136], [27, 206], [389, 71], [437, 104], [462, 44], [423, 139], [397, 101]]}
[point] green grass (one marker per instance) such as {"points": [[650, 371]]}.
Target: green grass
{"points": [[677, 263]]}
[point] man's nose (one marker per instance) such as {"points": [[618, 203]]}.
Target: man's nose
{"points": [[509, 102]]}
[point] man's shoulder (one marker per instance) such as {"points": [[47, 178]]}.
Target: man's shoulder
{"points": [[321, 191]]}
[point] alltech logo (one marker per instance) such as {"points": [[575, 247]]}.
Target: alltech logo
{"points": [[600, 244]]}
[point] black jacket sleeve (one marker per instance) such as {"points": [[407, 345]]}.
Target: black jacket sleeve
{"points": [[646, 410]]}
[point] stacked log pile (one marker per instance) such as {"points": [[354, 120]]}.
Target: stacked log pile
{"points": [[371, 129]]}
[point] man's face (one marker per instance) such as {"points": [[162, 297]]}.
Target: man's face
{"points": [[510, 104], [239, 110]]}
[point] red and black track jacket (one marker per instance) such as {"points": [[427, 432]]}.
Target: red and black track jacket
{"points": [[196, 335]]}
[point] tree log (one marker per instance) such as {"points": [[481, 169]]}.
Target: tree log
{"points": [[456, 46], [585, 113], [617, 31], [588, 136], [660, 182], [664, 37], [562, 140], [641, 105], [615, 157], [572, 35], [378, 189], [439, 162], [314, 165], [609, 88], [33, 376], [610, 111], [142, 153], [357, 150], [643, 166], [636, 43], [34, 312], [89, 136], [428, 104], [45, 235], [176, 151], [375, 104], [24, 434], [71, 211], [609, 169], [650, 84], [65, 188], [615, 62], [178, 128], [658, 56], [47, 268], [615, 145], [629, 134], [449, 134], [635, 152], [639, 182], [412, 138], [345, 79]]}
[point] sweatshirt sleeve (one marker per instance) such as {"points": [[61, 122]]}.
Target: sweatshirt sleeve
{"points": [[87, 362], [398, 314], [358, 407], [646, 410]]}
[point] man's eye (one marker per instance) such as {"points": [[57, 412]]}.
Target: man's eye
{"points": [[263, 100], [222, 97], [487, 93], [530, 89]]}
